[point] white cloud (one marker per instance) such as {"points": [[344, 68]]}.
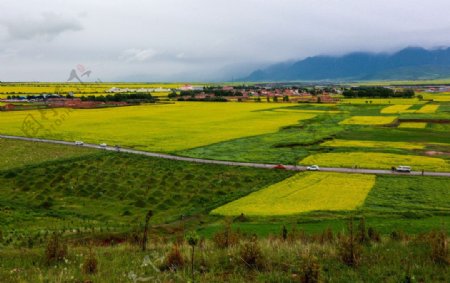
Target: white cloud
{"points": [[137, 55]]}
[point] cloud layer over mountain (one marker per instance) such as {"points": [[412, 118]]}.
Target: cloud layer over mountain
{"points": [[202, 40]]}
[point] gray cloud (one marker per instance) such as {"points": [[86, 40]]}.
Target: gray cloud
{"points": [[202, 39], [45, 27]]}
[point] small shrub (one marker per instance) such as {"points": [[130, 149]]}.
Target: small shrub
{"points": [[251, 254], [439, 247], [174, 259], [310, 270], [284, 233], [192, 239], [327, 236], [296, 235], [145, 236], [361, 235], [226, 238], [398, 235], [56, 249], [349, 248], [373, 234], [134, 236], [241, 218], [90, 263]]}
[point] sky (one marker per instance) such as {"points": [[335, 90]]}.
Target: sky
{"points": [[202, 40]]}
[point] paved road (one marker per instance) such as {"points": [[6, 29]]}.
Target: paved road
{"points": [[229, 163]]}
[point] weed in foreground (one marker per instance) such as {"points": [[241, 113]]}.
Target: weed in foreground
{"points": [[251, 254], [56, 249], [349, 248]]}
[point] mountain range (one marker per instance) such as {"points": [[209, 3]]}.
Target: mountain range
{"points": [[411, 63]]}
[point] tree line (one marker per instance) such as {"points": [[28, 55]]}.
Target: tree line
{"points": [[120, 97], [379, 92]]}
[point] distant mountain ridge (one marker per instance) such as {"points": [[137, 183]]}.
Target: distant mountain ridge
{"points": [[408, 64]]}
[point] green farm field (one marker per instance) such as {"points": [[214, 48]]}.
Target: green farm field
{"points": [[55, 193], [253, 132], [62, 192], [101, 198]]}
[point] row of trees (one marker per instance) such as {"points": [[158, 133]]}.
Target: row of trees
{"points": [[380, 92], [121, 97], [40, 96]]}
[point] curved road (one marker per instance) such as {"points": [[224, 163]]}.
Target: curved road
{"points": [[228, 163]]}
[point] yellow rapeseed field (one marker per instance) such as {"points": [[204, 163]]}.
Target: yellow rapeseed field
{"points": [[304, 192], [376, 160], [369, 120], [415, 125], [309, 111], [163, 127], [440, 97], [381, 101], [91, 88], [398, 109], [395, 109], [374, 144], [426, 109]]}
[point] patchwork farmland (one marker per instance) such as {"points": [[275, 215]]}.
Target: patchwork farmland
{"points": [[77, 194]]}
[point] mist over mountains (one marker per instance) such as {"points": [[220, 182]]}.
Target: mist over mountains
{"points": [[411, 63]]}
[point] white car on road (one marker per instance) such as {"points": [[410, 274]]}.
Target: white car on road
{"points": [[313, 168], [402, 168], [79, 143], [103, 145]]}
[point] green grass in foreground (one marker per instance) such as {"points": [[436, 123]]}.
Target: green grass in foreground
{"points": [[16, 153], [316, 223], [263, 260], [115, 190]]}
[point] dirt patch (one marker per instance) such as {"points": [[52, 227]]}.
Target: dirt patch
{"points": [[434, 153]]}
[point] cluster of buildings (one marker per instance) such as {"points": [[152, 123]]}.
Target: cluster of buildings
{"points": [[279, 94], [186, 87], [437, 89]]}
